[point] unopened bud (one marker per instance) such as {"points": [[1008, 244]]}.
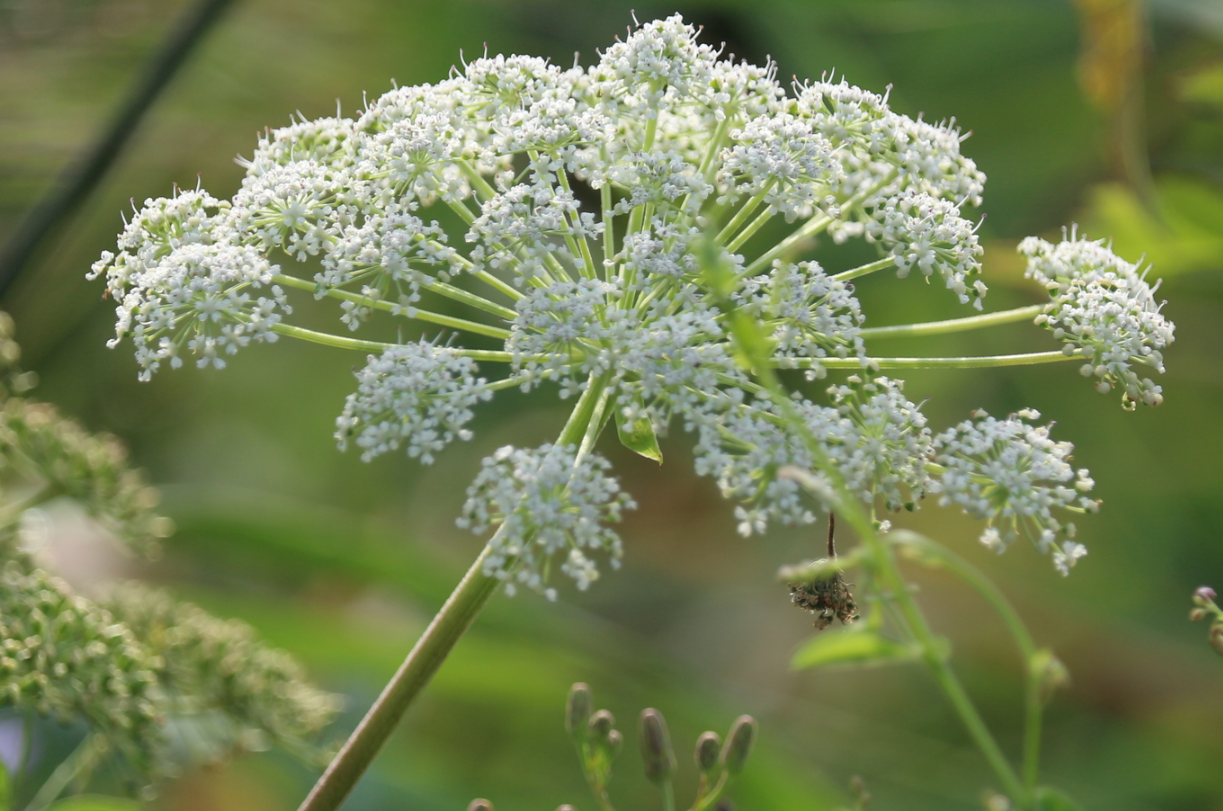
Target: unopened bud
{"points": [[480, 805], [1216, 638], [1051, 675], [724, 804], [1204, 595], [565, 807], [1197, 614], [577, 711], [738, 744], [708, 746], [601, 725], [614, 741], [656, 755]]}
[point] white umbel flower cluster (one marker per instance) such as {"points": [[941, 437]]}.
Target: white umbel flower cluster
{"points": [[1104, 311], [549, 503], [594, 205], [178, 286], [1011, 475], [875, 438], [929, 234], [418, 395]]}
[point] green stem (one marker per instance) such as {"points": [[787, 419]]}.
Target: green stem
{"points": [[1019, 632], [943, 674], [427, 655], [379, 304], [668, 796], [742, 214], [327, 339], [871, 267], [891, 580], [809, 229], [81, 760], [954, 324], [978, 362], [750, 231]]}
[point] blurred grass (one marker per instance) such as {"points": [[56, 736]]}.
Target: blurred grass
{"points": [[342, 562]]}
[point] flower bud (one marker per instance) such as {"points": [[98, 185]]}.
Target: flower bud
{"points": [[577, 711], [1216, 638], [600, 726], [657, 757], [708, 747], [1204, 595], [1197, 614], [480, 805], [565, 807], [1051, 675], [738, 744], [614, 741]]}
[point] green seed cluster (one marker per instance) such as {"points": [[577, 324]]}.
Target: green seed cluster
{"points": [[215, 666], [67, 658]]}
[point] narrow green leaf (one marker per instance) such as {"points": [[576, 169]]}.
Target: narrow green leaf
{"points": [[6, 789], [638, 435], [90, 802], [1051, 799], [857, 648]]}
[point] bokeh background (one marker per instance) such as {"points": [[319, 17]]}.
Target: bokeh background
{"points": [[1098, 112]]}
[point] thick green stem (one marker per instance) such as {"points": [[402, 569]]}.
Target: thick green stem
{"points": [[954, 324], [451, 622], [427, 655]]}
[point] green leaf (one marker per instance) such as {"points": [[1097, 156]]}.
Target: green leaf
{"points": [[91, 802], [638, 435], [1051, 799], [857, 648], [6, 789]]}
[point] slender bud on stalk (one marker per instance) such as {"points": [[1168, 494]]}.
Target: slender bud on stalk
{"points": [[657, 757], [1204, 595], [708, 746], [1197, 614], [738, 744], [577, 711]]}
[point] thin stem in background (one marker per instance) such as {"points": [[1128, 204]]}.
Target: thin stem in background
{"points": [[83, 174]]}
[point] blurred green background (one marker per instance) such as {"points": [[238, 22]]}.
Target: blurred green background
{"points": [[342, 563]]}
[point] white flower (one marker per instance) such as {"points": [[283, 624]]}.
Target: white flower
{"points": [[1103, 310], [419, 395], [929, 234], [548, 502], [1010, 474]]}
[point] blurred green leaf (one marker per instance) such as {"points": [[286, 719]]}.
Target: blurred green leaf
{"points": [[87, 802], [1204, 87], [1187, 235], [856, 648], [638, 435], [6, 790], [1051, 799]]}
